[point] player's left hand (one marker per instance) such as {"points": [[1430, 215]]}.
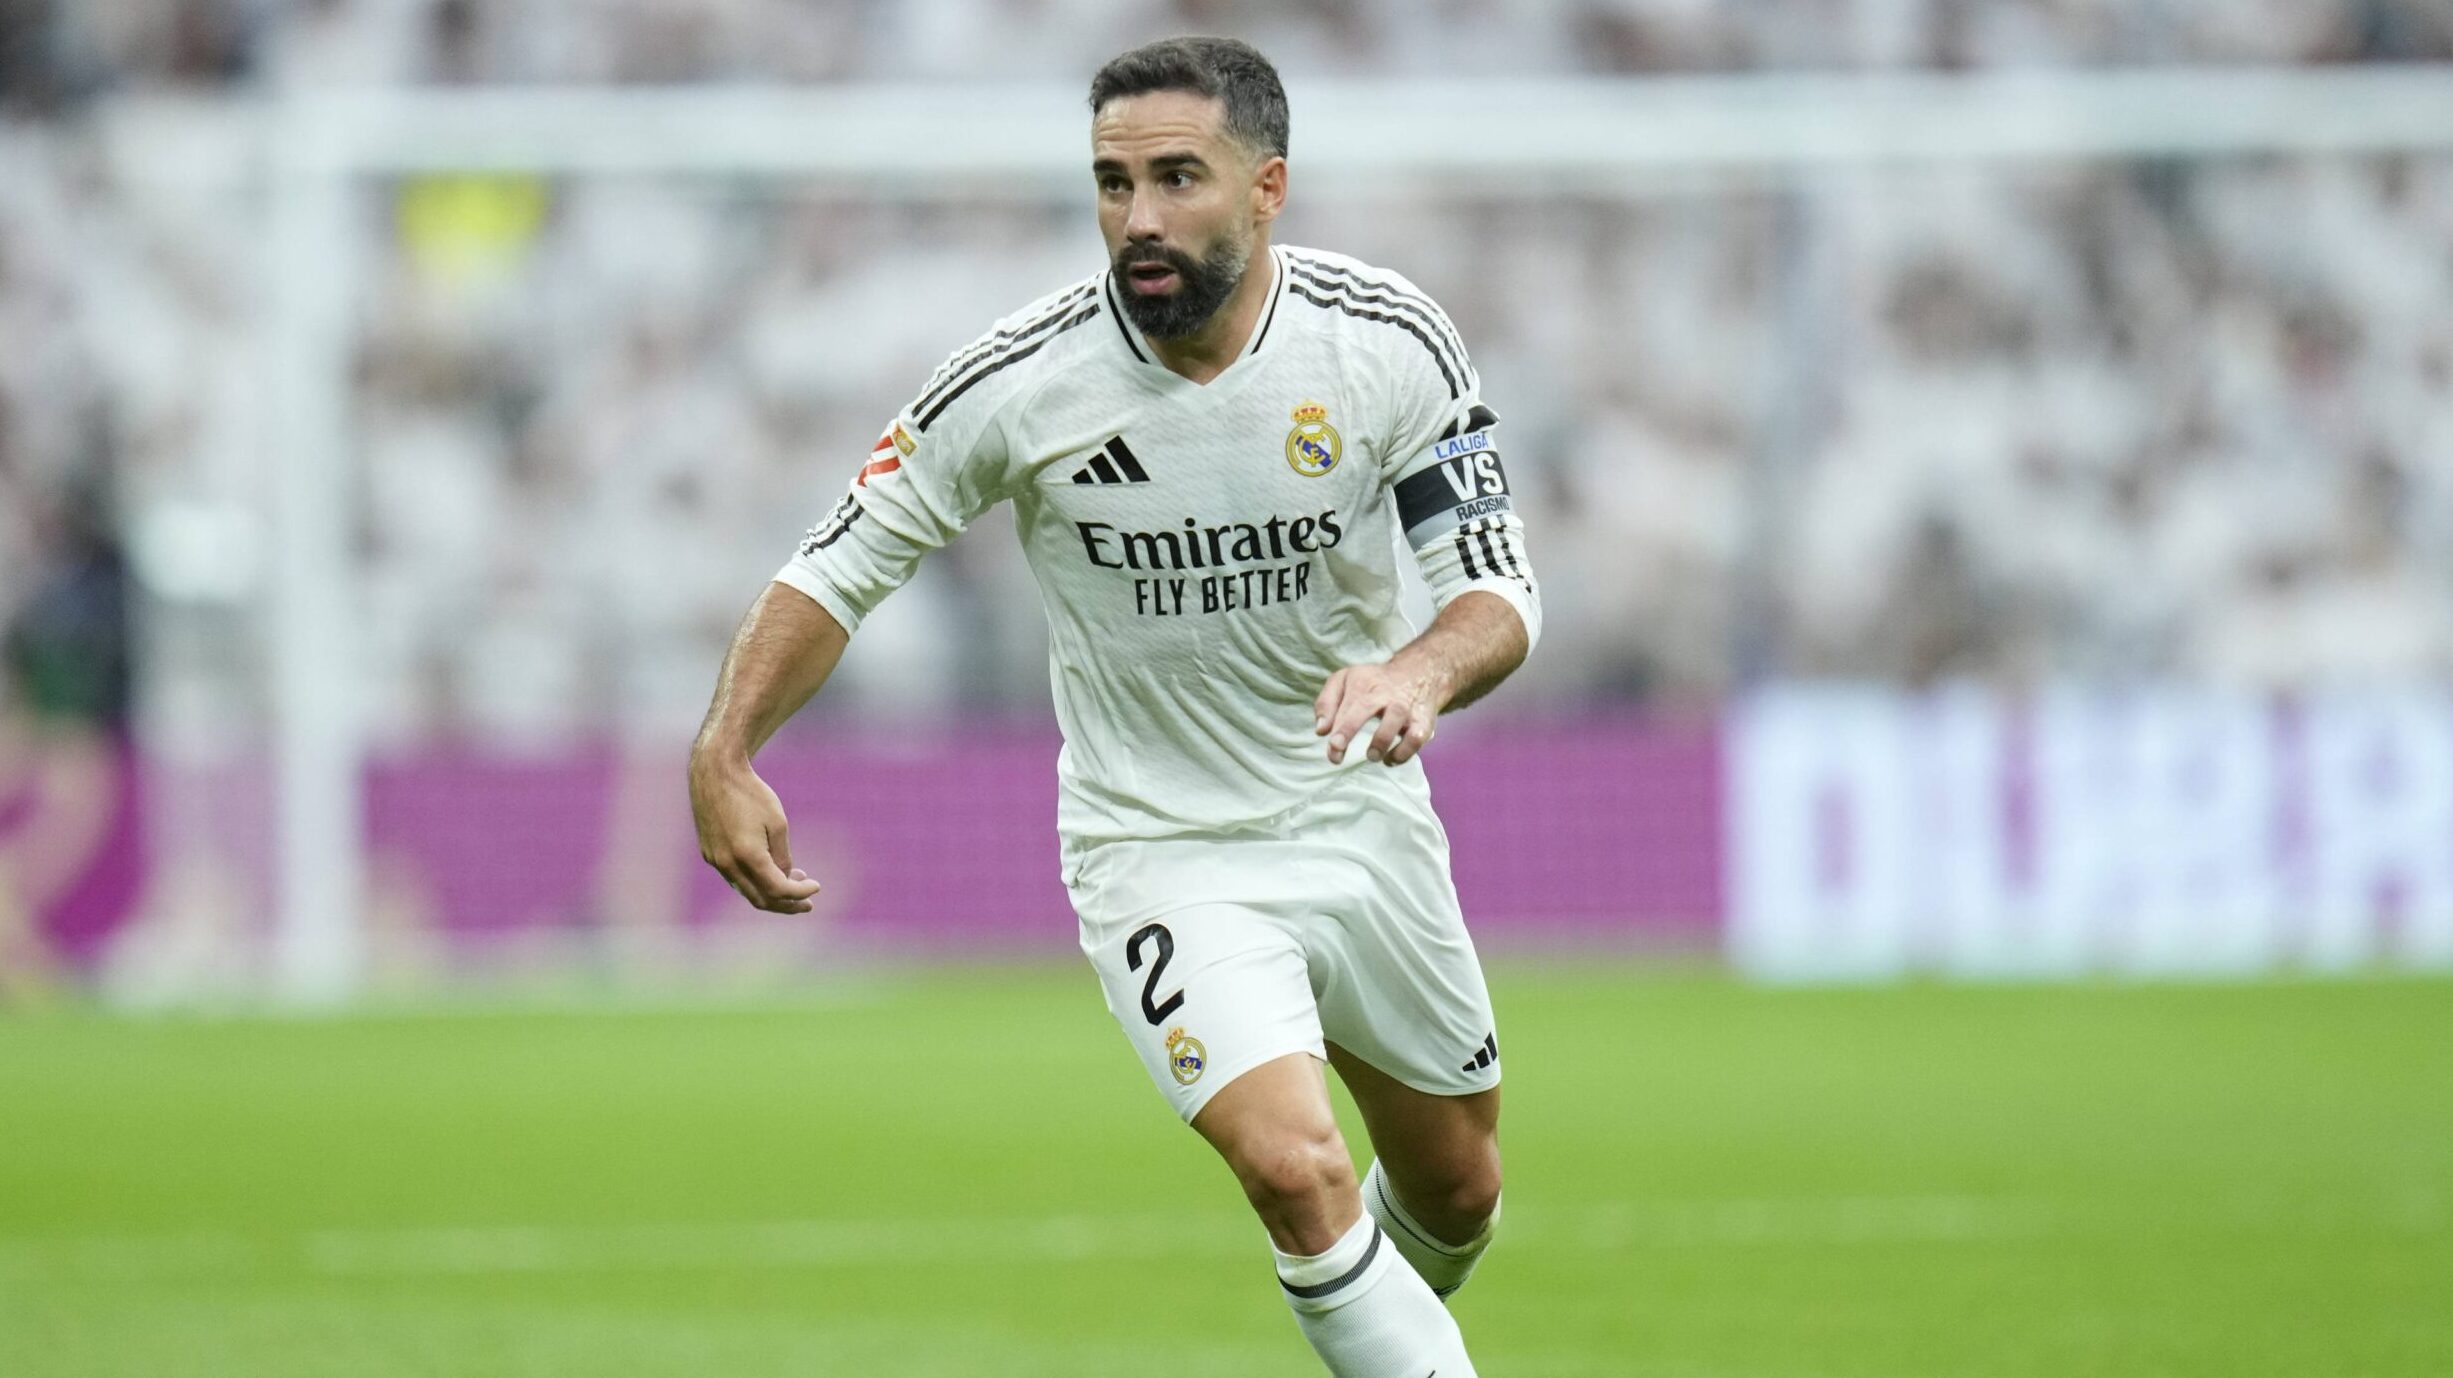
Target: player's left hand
{"points": [[1405, 701]]}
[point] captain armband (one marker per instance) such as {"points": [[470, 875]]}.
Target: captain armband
{"points": [[1464, 483]]}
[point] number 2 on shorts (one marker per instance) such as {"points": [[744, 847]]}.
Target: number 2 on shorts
{"points": [[1152, 1008]]}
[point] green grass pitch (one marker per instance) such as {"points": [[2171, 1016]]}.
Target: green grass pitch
{"points": [[964, 1173]]}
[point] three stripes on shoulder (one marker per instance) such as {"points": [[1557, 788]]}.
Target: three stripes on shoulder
{"points": [[1335, 287]]}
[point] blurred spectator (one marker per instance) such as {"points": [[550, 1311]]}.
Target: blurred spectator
{"points": [[2165, 419], [50, 51], [69, 849]]}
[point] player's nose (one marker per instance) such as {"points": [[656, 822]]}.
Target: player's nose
{"points": [[1141, 220]]}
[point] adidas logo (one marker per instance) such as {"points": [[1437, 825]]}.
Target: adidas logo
{"points": [[1114, 463], [1485, 1055]]}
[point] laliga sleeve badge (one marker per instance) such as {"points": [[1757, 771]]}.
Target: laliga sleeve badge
{"points": [[886, 455], [1186, 1058], [1312, 446]]}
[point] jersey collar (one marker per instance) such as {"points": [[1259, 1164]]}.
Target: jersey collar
{"points": [[1139, 344]]}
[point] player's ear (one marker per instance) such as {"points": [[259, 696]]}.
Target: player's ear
{"points": [[1269, 189]]}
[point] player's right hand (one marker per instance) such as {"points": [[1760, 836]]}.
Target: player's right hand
{"points": [[742, 834]]}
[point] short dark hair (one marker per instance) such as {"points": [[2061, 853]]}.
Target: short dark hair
{"points": [[1225, 70]]}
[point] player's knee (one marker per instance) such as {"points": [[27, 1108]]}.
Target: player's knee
{"points": [[1293, 1175], [1460, 1202], [1469, 1203]]}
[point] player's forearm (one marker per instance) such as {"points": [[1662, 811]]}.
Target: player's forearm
{"points": [[1474, 644], [784, 651]]}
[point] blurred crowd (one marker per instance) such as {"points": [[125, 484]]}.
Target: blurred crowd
{"points": [[2120, 422], [64, 50]]}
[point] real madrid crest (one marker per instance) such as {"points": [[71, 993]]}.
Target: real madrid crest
{"points": [[1186, 1058], [1312, 447]]}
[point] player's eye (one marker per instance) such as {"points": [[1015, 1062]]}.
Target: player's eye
{"points": [[1179, 179]]}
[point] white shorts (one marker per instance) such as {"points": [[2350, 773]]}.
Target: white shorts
{"points": [[1338, 922]]}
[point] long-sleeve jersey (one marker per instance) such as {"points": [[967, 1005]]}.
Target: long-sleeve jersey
{"points": [[1209, 554]]}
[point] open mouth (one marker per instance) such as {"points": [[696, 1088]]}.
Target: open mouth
{"points": [[1150, 279]]}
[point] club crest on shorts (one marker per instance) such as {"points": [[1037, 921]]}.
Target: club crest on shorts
{"points": [[1186, 1058], [1312, 447]]}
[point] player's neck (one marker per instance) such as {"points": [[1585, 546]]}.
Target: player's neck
{"points": [[1205, 353]]}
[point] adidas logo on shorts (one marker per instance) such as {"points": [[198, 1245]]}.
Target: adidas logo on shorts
{"points": [[1485, 1055]]}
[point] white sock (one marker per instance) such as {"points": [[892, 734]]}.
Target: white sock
{"points": [[1443, 1265], [1367, 1314]]}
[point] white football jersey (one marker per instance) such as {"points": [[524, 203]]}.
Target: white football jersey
{"points": [[1209, 553]]}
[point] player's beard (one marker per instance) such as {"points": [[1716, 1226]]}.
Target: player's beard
{"points": [[1201, 286]]}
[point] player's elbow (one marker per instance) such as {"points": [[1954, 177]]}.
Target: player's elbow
{"points": [[1487, 637], [1503, 620], [1518, 632], [1527, 627]]}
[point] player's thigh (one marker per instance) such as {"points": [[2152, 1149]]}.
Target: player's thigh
{"points": [[1205, 993], [1277, 1112]]}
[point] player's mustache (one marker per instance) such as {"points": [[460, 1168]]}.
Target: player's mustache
{"points": [[1134, 255]]}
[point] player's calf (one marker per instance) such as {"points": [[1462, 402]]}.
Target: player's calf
{"points": [[1366, 1313]]}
